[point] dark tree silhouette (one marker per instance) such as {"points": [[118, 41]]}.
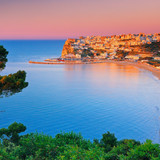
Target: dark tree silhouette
{"points": [[3, 57], [12, 83]]}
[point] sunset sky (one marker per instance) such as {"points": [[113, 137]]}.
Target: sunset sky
{"points": [[60, 19]]}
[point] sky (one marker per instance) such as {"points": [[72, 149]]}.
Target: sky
{"points": [[61, 19]]}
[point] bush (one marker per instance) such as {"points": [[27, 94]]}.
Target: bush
{"points": [[66, 146], [108, 141], [12, 83], [145, 151]]}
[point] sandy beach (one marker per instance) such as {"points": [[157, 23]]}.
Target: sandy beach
{"points": [[155, 71], [145, 66]]}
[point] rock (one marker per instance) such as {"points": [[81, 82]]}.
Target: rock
{"points": [[67, 48]]}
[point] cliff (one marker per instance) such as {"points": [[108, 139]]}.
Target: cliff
{"points": [[67, 48]]}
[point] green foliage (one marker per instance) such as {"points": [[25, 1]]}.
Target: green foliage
{"points": [[75, 152], [98, 54], [36, 145], [85, 53], [2, 65], [112, 156], [3, 57], [12, 83], [66, 146], [4, 155], [108, 141], [72, 138], [11, 133], [146, 151], [121, 54], [91, 55], [155, 63], [45, 147], [123, 148], [153, 47], [75, 51]]}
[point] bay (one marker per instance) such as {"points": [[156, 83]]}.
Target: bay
{"points": [[91, 99]]}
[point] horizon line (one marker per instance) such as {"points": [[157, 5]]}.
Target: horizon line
{"points": [[32, 39], [75, 37]]}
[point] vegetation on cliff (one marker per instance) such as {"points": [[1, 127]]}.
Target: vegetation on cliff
{"points": [[121, 54], [154, 47], [65, 146]]}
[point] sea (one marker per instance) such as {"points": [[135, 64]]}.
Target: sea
{"points": [[90, 99]]}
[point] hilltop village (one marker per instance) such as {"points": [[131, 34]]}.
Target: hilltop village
{"points": [[131, 47], [143, 48]]}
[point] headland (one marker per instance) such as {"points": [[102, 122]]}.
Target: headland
{"points": [[142, 50]]}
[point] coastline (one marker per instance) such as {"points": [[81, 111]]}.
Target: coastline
{"points": [[145, 66], [153, 70]]}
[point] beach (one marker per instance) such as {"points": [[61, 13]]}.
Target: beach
{"points": [[145, 66], [155, 71]]}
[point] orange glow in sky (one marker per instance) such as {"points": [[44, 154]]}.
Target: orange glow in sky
{"points": [[60, 19]]}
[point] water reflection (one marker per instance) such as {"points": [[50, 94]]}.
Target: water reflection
{"points": [[98, 74]]}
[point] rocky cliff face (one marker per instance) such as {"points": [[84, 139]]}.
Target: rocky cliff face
{"points": [[67, 48]]}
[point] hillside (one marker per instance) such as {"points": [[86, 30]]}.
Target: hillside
{"points": [[131, 46]]}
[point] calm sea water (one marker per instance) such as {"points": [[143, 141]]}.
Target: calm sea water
{"points": [[91, 99]]}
